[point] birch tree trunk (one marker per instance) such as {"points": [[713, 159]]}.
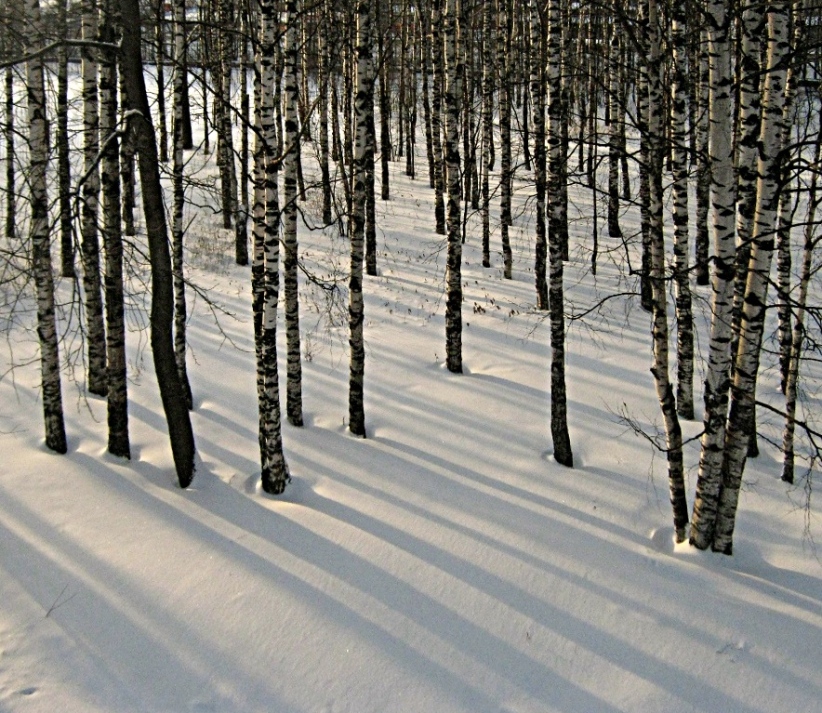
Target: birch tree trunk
{"points": [[162, 297], [265, 273], [613, 132], [294, 405], [538, 106], [660, 371], [762, 248], [436, 116], [41, 251], [62, 141], [504, 62], [798, 334], [11, 153], [702, 237], [722, 203], [159, 64], [363, 105], [557, 216], [646, 291], [487, 129], [679, 160], [453, 305], [180, 307], [556, 244], [118, 436], [90, 245], [324, 77]]}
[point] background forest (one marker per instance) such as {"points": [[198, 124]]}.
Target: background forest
{"points": [[455, 235]]}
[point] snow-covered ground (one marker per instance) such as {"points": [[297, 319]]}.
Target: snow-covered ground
{"points": [[443, 564]]}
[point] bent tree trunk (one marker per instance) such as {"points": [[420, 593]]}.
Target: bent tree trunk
{"points": [[162, 296]]}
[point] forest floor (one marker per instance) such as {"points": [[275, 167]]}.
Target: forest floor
{"points": [[445, 563]]}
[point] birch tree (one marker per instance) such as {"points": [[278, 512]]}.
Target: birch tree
{"points": [[557, 245], [363, 104], [538, 108], [265, 270], [177, 228], [679, 162], [762, 247], [722, 226], [40, 239], [487, 130], [453, 305], [660, 369], [118, 435], [294, 408], [90, 244]]}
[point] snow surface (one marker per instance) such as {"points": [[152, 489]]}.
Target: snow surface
{"points": [[443, 564]]}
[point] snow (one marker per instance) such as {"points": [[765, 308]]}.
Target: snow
{"points": [[444, 563]]}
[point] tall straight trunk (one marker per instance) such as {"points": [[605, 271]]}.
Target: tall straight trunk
{"points": [[62, 141], [454, 69], [118, 437], [188, 138], [645, 288], [39, 233], [722, 202], [555, 189], [437, 82], [660, 371], [702, 238], [265, 272], [788, 205], [370, 176], [556, 243], [241, 237], [487, 129], [162, 296], [385, 105], [90, 246], [159, 64], [679, 162], [294, 399], [538, 107], [363, 106], [177, 226], [424, 23], [127, 171], [752, 26], [411, 102], [811, 243], [324, 70], [504, 25], [762, 247], [613, 132], [11, 153]]}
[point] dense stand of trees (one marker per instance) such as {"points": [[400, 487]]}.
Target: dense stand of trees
{"points": [[638, 103]]}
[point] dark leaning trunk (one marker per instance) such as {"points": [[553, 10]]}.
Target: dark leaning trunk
{"points": [[41, 252], [162, 298]]}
